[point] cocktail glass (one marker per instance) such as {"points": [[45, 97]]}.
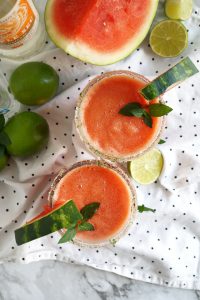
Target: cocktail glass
{"points": [[132, 205], [92, 145]]}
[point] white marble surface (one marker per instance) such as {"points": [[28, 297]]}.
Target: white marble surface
{"points": [[55, 280]]}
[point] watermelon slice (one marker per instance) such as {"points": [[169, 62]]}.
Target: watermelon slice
{"points": [[49, 221], [181, 71], [99, 31]]}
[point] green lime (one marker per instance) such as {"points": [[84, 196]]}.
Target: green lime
{"points": [[178, 9], [146, 168], [169, 38], [34, 83], [28, 132], [3, 161]]}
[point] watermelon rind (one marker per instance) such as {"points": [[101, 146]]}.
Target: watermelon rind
{"points": [[85, 53], [57, 219], [181, 71]]}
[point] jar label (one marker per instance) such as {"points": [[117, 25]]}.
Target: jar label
{"points": [[16, 25]]}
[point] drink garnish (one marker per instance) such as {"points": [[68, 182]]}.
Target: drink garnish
{"points": [[65, 216], [178, 73], [135, 109], [142, 208], [146, 168]]}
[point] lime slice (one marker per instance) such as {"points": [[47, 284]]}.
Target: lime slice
{"points": [[178, 9], [169, 38], [146, 168]]}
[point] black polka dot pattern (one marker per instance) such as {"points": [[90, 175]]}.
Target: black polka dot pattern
{"points": [[162, 247]]}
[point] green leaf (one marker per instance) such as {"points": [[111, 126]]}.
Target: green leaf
{"points": [[2, 150], [85, 226], [4, 139], [68, 236], [159, 109], [147, 119], [2, 121], [132, 109], [89, 210], [142, 208], [161, 142], [113, 242]]}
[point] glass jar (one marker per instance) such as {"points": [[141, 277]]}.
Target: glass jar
{"points": [[21, 30]]}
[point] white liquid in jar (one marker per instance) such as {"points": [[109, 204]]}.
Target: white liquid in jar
{"points": [[21, 30]]}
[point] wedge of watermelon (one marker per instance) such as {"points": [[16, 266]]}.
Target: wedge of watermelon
{"points": [[49, 221], [99, 31], [178, 73]]}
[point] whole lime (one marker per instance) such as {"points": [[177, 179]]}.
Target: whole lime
{"points": [[34, 83], [3, 161], [28, 132]]}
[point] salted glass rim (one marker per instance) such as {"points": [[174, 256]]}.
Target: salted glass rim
{"points": [[80, 127], [133, 199]]}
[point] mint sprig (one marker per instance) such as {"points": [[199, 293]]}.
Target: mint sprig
{"points": [[4, 138], [2, 121], [159, 109], [85, 226], [2, 150], [87, 213], [132, 109], [142, 208], [68, 236], [161, 142], [147, 119], [89, 210], [155, 110]]}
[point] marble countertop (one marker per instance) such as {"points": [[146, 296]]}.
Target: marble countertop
{"points": [[55, 280]]}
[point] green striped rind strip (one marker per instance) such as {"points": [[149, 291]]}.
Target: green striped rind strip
{"points": [[181, 71], [60, 218]]}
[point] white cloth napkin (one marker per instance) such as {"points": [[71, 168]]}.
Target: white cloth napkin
{"points": [[161, 248]]}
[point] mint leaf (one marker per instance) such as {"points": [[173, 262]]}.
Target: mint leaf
{"points": [[68, 236], [85, 226], [142, 208], [159, 109], [147, 119], [89, 210], [161, 142], [132, 109], [4, 139], [135, 109], [86, 212], [113, 242], [2, 150], [2, 121]]}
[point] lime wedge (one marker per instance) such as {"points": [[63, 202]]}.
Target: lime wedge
{"points": [[146, 168], [169, 38], [178, 9]]}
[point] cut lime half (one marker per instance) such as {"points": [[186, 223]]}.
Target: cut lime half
{"points": [[146, 168], [178, 9], [169, 38]]}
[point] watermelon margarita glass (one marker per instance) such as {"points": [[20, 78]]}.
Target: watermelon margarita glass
{"points": [[105, 132], [97, 181]]}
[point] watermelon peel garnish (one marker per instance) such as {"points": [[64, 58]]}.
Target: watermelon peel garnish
{"points": [[176, 74], [62, 216]]}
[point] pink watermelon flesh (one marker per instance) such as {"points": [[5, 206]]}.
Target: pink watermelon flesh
{"points": [[46, 210], [105, 25]]}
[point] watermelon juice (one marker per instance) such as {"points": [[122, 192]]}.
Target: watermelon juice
{"points": [[107, 133], [98, 181]]}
